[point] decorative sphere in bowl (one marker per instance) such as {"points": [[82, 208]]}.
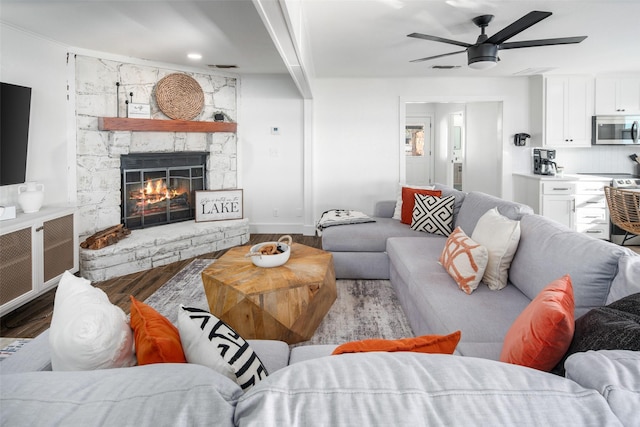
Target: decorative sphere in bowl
{"points": [[283, 252]]}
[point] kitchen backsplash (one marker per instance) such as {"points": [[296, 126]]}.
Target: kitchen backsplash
{"points": [[599, 159]]}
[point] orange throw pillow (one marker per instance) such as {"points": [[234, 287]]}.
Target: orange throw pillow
{"points": [[444, 344], [409, 201], [157, 340], [542, 333]]}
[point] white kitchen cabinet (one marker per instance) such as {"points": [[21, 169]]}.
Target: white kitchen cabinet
{"points": [[615, 96], [35, 249], [558, 202], [579, 204], [560, 111], [560, 209], [568, 111], [592, 216]]}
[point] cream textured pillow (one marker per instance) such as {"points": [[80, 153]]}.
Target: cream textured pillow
{"points": [[87, 331], [397, 213], [207, 340], [500, 235], [464, 260]]}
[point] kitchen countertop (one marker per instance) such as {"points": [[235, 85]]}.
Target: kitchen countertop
{"points": [[565, 177]]}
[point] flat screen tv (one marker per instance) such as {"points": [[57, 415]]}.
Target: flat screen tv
{"points": [[15, 107]]}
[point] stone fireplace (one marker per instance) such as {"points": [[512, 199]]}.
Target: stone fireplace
{"points": [[103, 156], [159, 188]]}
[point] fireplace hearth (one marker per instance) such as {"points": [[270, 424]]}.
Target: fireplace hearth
{"points": [[159, 188]]}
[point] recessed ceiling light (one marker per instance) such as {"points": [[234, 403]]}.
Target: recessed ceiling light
{"points": [[194, 56]]}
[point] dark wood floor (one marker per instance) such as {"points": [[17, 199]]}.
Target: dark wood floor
{"points": [[33, 318]]}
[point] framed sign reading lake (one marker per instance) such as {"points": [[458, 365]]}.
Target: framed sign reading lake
{"points": [[218, 205]]}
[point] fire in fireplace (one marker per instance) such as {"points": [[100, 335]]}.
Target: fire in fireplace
{"points": [[159, 188]]}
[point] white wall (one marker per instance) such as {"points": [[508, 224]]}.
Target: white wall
{"points": [[271, 166], [356, 132], [27, 60], [483, 148]]}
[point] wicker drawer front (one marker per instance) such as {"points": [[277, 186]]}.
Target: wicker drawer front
{"points": [[58, 246], [15, 265]]}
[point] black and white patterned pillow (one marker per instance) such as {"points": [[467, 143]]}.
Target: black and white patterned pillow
{"points": [[433, 214], [207, 340]]}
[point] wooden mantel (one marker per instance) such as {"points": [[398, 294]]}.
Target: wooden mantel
{"points": [[152, 125]]}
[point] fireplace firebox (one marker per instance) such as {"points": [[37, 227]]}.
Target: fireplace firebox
{"points": [[159, 188]]}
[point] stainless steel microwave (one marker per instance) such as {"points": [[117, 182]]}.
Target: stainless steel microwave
{"points": [[615, 130]]}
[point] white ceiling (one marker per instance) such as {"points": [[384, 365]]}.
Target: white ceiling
{"points": [[347, 38], [224, 32]]}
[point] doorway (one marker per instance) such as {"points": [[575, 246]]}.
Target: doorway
{"points": [[417, 151], [456, 141], [467, 143]]}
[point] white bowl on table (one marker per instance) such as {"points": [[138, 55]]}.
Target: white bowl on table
{"points": [[274, 260]]}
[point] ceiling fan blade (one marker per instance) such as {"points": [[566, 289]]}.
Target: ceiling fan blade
{"points": [[438, 39], [437, 56], [543, 42], [518, 26]]}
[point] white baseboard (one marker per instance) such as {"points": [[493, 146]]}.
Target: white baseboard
{"points": [[263, 228], [290, 228]]}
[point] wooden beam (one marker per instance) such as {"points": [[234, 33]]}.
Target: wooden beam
{"points": [[151, 125]]}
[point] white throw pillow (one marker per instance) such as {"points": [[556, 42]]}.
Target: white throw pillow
{"points": [[397, 213], [207, 340], [501, 236], [87, 331]]}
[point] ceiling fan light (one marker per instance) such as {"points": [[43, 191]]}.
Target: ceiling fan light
{"points": [[482, 56], [484, 64]]}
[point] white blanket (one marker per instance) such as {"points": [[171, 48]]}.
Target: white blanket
{"points": [[341, 217]]}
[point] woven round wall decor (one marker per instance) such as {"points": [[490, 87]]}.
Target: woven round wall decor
{"points": [[179, 96]]}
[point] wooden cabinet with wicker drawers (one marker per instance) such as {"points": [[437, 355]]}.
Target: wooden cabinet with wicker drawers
{"points": [[35, 249]]}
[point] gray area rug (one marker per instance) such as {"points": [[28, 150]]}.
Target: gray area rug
{"points": [[364, 308], [183, 288]]}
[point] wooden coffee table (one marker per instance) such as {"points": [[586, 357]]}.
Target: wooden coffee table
{"points": [[284, 303]]}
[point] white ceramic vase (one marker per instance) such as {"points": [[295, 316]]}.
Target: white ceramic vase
{"points": [[30, 196]]}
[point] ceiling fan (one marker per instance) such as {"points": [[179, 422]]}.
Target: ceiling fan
{"points": [[484, 53]]}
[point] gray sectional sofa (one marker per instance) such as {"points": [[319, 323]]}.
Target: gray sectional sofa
{"points": [[601, 272], [307, 386]]}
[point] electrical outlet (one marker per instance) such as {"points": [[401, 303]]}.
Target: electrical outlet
{"points": [[275, 130], [275, 212]]}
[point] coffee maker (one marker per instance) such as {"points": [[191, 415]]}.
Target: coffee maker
{"points": [[543, 161]]}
